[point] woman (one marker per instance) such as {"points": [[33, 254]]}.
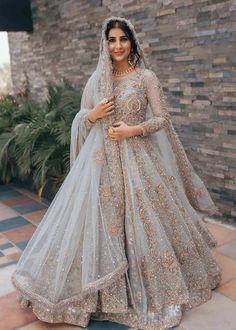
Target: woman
{"points": [[123, 239]]}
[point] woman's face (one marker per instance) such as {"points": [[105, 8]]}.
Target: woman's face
{"points": [[119, 45]]}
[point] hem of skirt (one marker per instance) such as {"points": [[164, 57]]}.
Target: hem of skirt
{"points": [[208, 212], [134, 321], [131, 318], [139, 327], [53, 313]]}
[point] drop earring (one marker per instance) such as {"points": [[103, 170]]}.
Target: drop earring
{"points": [[130, 58]]}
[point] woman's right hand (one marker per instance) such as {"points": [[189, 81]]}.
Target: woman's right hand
{"points": [[102, 110]]}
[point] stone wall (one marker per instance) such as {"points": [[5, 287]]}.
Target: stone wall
{"points": [[191, 46]]}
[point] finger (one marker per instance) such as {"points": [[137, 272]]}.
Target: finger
{"points": [[110, 131], [107, 105], [111, 97], [118, 123], [114, 135], [110, 108], [109, 113]]}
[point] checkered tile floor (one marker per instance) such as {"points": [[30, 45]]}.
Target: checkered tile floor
{"points": [[19, 216], [20, 213]]}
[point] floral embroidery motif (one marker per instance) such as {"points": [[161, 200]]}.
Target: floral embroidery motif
{"points": [[99, 156], [170, 263], [105, 191], [159, 187], [112, 229]]}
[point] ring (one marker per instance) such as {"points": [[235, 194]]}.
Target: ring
{"points": [[104, 101]]}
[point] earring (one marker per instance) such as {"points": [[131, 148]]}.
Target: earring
{"points": [[130, 60]]}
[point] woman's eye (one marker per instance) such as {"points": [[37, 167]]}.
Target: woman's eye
{"points": [[122, 39]]}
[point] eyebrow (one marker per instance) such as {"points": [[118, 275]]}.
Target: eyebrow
{"points": [[120, 36]]}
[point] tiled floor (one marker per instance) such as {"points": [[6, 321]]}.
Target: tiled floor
{"points": [[20, 213]]}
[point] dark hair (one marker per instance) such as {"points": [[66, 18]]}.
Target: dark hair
{"points": [[134, 54]]}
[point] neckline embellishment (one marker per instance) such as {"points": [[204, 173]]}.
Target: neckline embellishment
{"points": [[127, 75], [118, 73]]}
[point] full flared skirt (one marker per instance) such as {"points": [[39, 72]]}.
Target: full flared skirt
{"points": [[143, 268]]}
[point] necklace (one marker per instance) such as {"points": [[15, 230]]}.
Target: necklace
{"points": [[120, 73]]}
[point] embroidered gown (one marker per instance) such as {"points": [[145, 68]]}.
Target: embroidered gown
{"points": [[165, 265]]}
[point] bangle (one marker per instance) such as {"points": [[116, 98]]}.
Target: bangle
{"points": [[92, 122], [88, 123], [142, 130]]}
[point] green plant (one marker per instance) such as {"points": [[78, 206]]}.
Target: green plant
{"points": [[35, 139]]}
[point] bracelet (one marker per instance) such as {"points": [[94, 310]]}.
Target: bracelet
{"points": [[142, 131], [92, 122], [88, 123]]}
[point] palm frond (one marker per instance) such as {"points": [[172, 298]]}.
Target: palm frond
{"points": [[35, 138]]}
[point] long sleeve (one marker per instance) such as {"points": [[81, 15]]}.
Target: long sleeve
{"points": [[156, 100], [87, 104]]}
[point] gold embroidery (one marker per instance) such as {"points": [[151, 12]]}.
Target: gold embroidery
{"points": [[105, 191], [112, 229], [99, 156], [169, 262], [159, 187]]}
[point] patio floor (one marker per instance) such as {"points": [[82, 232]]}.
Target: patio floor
{"points": [[21, 212]]}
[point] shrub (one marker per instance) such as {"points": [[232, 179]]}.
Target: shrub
{"points": [[35, 138]]}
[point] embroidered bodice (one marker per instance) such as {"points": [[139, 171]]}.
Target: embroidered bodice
{"points": [[133, 93], [130, 98]]}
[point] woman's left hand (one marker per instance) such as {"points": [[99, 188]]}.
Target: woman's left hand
{"points": [[122, 131]]}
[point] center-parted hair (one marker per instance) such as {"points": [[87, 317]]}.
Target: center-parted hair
{"points": [[134, 54]]}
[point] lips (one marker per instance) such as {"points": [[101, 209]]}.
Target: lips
{"points": [[119, 53]]}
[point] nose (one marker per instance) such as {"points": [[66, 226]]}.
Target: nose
{"points": [[118, 44]]}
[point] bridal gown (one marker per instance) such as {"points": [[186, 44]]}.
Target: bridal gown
{"points": [[143, 267]]}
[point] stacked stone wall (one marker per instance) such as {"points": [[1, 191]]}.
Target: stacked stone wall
{"points": [[191, 45]]}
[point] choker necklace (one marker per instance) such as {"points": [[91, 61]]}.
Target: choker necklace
{"points": [[119, 73]]}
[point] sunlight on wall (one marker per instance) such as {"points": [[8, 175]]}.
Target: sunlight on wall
{"points": [[5, 69], [4, 49]]}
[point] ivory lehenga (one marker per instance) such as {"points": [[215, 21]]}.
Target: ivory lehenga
{"points": [[123, 239]]}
